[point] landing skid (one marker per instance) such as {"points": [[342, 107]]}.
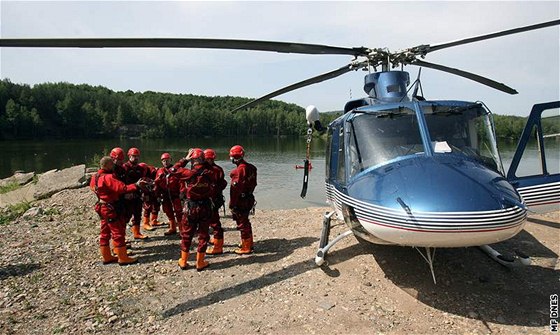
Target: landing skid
{"points": [[324, 244], [519, 259]]}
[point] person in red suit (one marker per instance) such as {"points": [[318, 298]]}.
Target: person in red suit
{"points": [[242, 200], [150, 203], [108, 190], [133, 202], [117, 155], [168, 187], [218, 202], [197, 213]]}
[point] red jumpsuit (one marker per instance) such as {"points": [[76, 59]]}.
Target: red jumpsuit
{"points": [[182, 163], [168, 187], [119, 172], [218, 201], [241, 202], [150, 199], [108, 190], [133, 201], [198, 208]]}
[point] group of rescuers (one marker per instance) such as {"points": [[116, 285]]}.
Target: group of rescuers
{"points": [[191, 197]]}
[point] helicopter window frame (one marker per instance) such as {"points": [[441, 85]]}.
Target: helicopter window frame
{"points": [[538, 145]]}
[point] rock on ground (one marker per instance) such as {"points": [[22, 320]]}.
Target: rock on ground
{"points": [[54, 181], [22, 194], [20, 178], [52, 281]]}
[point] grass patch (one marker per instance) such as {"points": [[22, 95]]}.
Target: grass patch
{"points": [[13, 212], [94, 162], [9, 187]]}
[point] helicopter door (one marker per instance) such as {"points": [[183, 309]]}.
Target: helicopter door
{"points": [[535, 168]]}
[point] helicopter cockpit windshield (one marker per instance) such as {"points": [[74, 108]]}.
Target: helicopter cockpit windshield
{"points": [[454, 129], [464, 130], [378, 137]]}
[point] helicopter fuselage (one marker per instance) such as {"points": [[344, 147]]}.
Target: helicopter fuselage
{"points": [[421, 173]]}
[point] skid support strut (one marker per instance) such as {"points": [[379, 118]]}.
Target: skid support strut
{"points": [[324, 244]]}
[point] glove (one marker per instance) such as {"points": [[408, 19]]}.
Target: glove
{"points": [[144, 185]]}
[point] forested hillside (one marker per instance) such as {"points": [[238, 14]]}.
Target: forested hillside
{"points": [[63, 110], [55, 110]]}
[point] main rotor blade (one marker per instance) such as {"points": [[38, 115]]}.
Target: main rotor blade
{"points": [[203, 43], [307, 82], [468, 75], [493, 35]]}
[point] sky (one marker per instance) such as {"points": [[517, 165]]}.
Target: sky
{"points": [[528, 62]]}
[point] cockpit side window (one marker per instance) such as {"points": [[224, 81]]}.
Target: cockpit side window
{"points": [[328, 153], [356, 160], [341, 168]]}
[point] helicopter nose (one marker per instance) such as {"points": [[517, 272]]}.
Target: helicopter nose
{"points": [[436, 184], [434, 202]]}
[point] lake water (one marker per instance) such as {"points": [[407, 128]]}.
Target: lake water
{"points": [[279, 183]]}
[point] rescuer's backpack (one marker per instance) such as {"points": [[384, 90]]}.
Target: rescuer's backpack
{"points": [[201, 185]]}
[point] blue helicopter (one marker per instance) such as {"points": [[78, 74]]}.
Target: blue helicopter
{"points": [[400, 169], [412, 172]]}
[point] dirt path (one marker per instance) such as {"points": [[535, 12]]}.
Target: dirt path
{"points": [[52, 281]]}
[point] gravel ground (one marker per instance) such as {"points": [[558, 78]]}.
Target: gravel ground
{"points": [[52, 281]]}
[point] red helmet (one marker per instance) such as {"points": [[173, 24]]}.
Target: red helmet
{"points": [[133, 152], [117, 153], [236, 152], [209, 154], [165, 155], [197, 153]]}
